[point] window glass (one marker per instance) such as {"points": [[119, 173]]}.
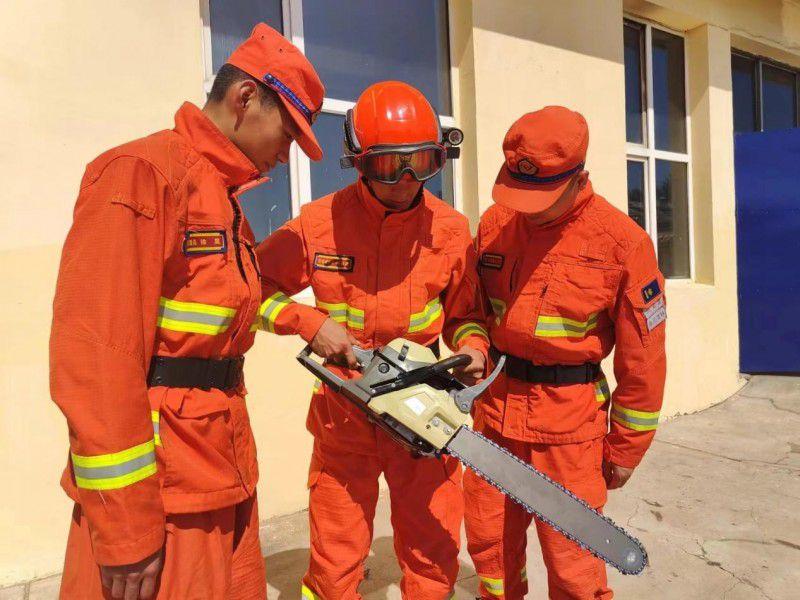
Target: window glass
{"points": [[779, 98], [672, 214], [269, 205], [233, 20], [634, 88], [636, 205], [354, 43], [669, 91], [326, 175], [743, 73]]}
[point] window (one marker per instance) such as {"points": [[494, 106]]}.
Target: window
{"points": [[765, 94], [657, 141], [352, 45]]}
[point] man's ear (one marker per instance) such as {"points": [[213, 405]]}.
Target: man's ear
{"points": [[583, 179], [239, 98]]}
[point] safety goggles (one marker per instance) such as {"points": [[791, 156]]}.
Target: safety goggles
{"points": [[388, 164]]}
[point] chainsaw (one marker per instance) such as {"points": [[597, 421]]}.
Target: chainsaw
{"points": [[413, 396]]}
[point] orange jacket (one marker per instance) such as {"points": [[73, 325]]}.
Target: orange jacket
{"points": [[567, 293], [159, 260], [383, 275]]}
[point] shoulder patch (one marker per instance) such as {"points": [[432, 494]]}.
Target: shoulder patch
{"points": [[651, 290], [334, 262], [655, 314], [205, 242], [492, 261]]}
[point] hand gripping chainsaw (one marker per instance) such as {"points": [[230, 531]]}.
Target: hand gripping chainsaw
{"points": [[404, 390]]}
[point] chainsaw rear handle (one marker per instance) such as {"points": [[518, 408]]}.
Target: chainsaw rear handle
{"points": [[333, 381]]}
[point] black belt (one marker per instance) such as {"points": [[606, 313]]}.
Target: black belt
{"points": [[204, 373], [519, 368]]}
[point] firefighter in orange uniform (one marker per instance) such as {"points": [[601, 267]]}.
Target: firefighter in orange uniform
{"points": [[569, 277], [156, 302], [385, 259]]}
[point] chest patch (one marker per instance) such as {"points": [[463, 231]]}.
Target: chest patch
{"points": [[492, 261], [334, 262], [204, 242], [651, 290]]}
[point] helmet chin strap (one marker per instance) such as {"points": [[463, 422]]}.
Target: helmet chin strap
{"points": [[417, 196]]}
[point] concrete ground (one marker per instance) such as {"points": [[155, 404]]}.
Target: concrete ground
{"points": [[716, 503]]}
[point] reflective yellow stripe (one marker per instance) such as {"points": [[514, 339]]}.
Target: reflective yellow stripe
{"points": [[117, 470], [424, 319], [468, 329], [155, 417], [269, 310], [115, 483], [499, 308], [601, 389], [344, 313], [637, 420], [193, 317], [493, 586], [555, 326], [109, 460], [307, 593]]}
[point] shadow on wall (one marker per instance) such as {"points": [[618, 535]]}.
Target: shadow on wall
{"points": [[285, 570]]}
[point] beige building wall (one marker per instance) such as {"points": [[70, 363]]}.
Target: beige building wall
{"points": [[81, 76]]}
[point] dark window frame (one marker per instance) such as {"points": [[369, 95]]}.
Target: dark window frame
{"points": [[758, 83]]}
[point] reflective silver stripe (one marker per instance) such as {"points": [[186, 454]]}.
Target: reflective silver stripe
{"points": [[423, 320], [637, 420], [115, 470], [194, 317], [555, 326], [493, 586]]}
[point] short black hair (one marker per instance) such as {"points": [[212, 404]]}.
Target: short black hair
{"points": [[229, 75]]}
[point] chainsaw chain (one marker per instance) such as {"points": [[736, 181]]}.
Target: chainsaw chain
{"points": [[622, 569]]}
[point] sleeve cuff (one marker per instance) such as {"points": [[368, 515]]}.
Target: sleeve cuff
{"points": [[310, 320], [128, 553], [612, 455]]}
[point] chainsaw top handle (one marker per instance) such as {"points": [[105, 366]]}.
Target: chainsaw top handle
{"points": [[421, 374]]}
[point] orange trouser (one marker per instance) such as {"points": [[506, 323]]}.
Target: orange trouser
{"points": [[497, 527], [427, 510], [208, 555]]}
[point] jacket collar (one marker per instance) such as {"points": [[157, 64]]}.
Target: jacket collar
{"points": [[192, 124], [378, 211]]}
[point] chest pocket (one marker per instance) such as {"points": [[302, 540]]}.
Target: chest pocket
{"points": [[337, 280], [575, 299], [430, 275], [499, 275], [199, 292]]}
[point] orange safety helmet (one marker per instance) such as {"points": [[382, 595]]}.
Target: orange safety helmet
{"points": [[393, 130]]}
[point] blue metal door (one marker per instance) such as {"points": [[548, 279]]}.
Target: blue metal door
{"points": [[768, 248]]}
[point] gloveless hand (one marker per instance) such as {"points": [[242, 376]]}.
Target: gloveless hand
{"points": [[133, 582]]}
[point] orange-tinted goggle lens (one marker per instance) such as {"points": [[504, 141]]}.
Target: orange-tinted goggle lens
{"points": [[388, 167]]}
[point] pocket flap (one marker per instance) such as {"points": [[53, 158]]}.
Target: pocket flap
{"points": [[196, 403]]}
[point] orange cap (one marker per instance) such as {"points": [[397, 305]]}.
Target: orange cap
{"points": [[276, 62], [543, 149], [394, 113]]}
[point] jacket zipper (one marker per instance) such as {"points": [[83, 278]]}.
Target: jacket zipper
{"points": [[237, 221]]}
